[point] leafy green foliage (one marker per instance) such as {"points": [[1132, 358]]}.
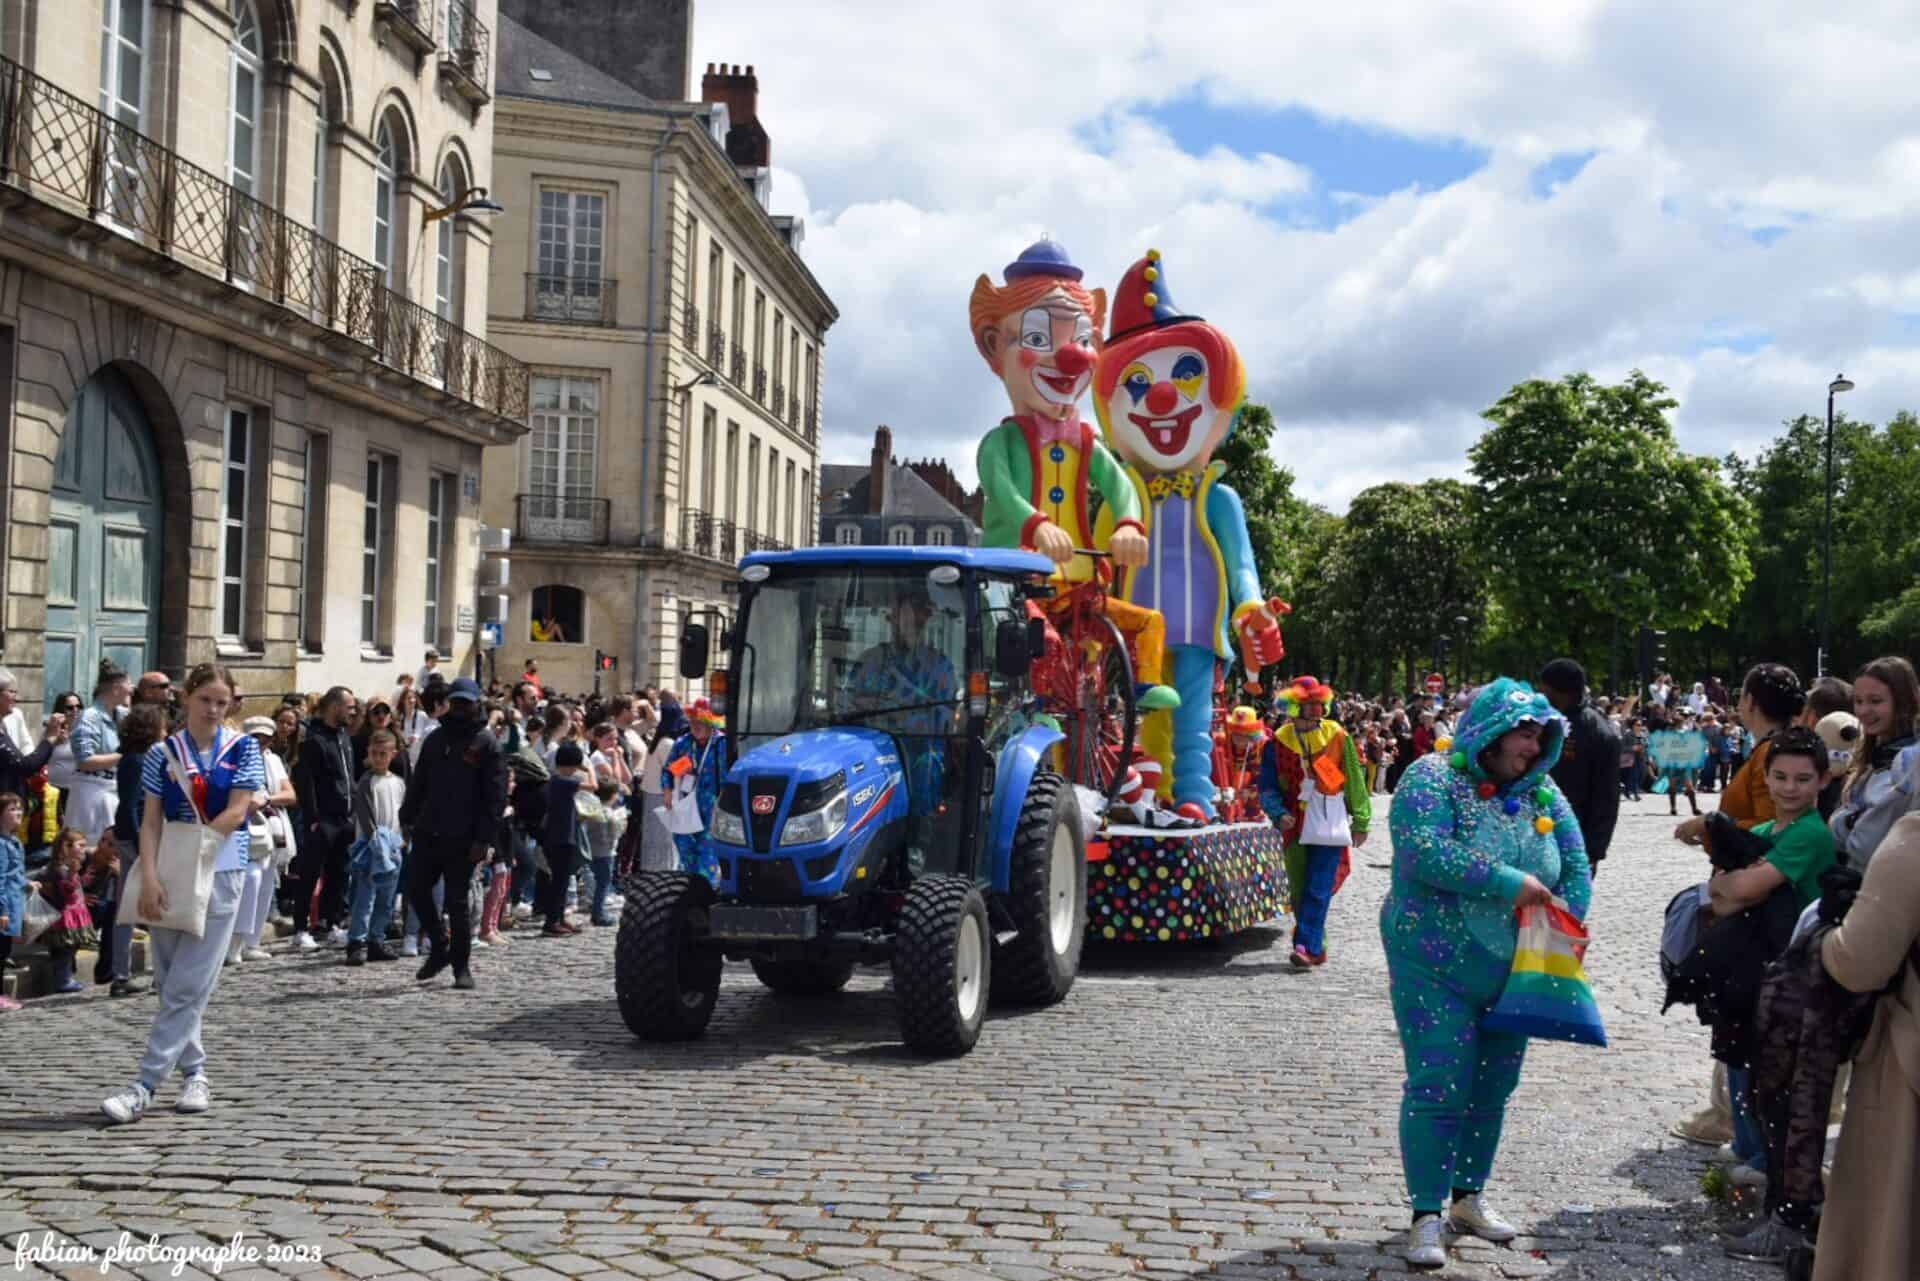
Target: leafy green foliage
{"points": [[1277, 521]]}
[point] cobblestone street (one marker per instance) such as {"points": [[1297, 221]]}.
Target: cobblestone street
{"points": [[1186, 1112]]}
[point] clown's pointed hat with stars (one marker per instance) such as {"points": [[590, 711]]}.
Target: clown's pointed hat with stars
{"points": [[1141, 301]]}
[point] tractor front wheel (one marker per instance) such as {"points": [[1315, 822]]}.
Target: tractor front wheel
{"points": [[666, 976], [942, 965], [1046, 896], [803, 978]]}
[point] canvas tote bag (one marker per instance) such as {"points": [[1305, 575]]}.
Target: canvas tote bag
{"points": [[186, 855]]}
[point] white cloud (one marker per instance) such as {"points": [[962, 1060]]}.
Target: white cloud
{"points": [[926, 144]]}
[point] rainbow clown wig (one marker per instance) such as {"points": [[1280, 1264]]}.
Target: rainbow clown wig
{"points": [[702, 713]]}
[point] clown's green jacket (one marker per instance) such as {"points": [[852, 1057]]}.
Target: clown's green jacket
{"points": [[1007, 461]]}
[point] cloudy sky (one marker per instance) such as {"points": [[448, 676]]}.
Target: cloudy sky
{"points": [[1397, 208]]}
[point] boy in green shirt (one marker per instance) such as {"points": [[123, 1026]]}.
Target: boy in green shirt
{"points": [[1802, 845]]}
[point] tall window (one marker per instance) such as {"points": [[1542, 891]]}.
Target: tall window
{"points": [[693, 264], [233, 523], [123, 81], [790, 507], [447, 281], [739, 309], [572, 236], [243, 147], [439, 526], [561, 453], [713, 280], [901, 536], [759, 329], [753, 485], [313, 546], [937, 536], [733, 470], [709, 428], [779, 346], [813, 358], [808, 524], [386, 180], [373, 549], [773, 492], [847, 535], [794, 393]]}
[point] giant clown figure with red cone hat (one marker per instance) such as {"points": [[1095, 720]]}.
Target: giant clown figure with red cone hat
{"points": [[1168, 388]]}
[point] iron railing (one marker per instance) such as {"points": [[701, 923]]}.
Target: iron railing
{"points": [[739, 371], [469, 47], [690, 327], [65, 152], [708, 535], [574, 300], [793, 409], [779, 403], [717, 347], [413, 19], [760, 383], [560, 518], [813, 423]]}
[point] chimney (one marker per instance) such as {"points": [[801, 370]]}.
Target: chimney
{"points": [[878, 468], [739, 88]]}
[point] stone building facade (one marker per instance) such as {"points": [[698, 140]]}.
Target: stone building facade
{"points": [[675, 338], [243, 275], [891, 503]]}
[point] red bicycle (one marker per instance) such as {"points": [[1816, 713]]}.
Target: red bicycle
{"points": [[1085, 681]]}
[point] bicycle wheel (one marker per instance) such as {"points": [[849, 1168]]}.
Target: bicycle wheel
{"points": [[1105, 719]]}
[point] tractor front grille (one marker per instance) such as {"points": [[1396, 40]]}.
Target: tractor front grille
{"points": [[762, 789], [769, 880]]}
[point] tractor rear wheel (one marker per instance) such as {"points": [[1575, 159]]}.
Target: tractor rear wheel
{"points": [[666, 976], [1046, 896], [803, 978], [942, 965]]}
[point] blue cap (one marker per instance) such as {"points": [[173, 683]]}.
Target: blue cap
{"points": [[1043, 258], [464, 688]]}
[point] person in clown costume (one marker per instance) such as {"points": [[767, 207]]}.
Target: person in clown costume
{"points": [[696, 765], [1238, 758], [1168, 388], [1041, 464], [1311, 755], [1479, 830]]}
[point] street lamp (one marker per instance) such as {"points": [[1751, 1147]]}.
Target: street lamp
{"points": [[1840, 383], [1460, 627]]}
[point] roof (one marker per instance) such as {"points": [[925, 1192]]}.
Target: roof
{"points": [[908, 494], [521, 52], [992, 560]]}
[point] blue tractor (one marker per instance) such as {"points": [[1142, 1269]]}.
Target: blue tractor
{"points": [[890, 800]]}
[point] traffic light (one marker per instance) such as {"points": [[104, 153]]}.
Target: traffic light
{"points": [[603, 662]]}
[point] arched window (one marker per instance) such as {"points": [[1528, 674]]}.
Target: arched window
{"points": [[937, 536], [331, 109], [847, 535], [901, 536], [557, 615], [448, 266], [244, 98], [386, 182]]}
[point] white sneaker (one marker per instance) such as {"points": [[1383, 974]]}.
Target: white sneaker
{"points": [[303, 942], [1470, 1216], [522, 911], [235, 954], [194, 1096], [126, 1106], [410, 948], [1745, 1176], [1425, 1248], [255, 952], [337, 937], [477, 941]]}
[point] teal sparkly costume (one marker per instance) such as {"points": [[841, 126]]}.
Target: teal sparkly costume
{"points": [[1462, 848]]}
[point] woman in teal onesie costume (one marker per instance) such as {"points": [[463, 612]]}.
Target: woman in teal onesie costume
{"points": [[1478, 830]]}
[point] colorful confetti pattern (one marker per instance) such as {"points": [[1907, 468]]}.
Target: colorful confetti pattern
{"points": [[1166, 887]]}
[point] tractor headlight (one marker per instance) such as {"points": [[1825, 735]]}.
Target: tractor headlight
{"points": [[728, 827], [822, 824]]}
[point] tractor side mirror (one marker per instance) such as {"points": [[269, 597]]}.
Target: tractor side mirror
{"points": [[693, 651], [1011, 653], [1036, 639]]}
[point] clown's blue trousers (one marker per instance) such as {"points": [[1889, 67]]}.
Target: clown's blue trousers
{"points": [[1193, 727], [1459, 1076]]}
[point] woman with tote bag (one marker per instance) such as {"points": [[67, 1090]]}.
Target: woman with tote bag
{"points": [[199, 785]]}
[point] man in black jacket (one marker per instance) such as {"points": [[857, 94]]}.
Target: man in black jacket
{"points": [[323, 780], [456, 797], [1589, 768]]}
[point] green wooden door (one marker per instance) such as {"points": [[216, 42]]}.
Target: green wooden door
{"points": [[103, 539]]}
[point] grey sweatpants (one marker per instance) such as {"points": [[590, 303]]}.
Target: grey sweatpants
{"points": [[185, 970]]}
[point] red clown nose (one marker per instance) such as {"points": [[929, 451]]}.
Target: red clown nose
{"points": [[1161, 398], [1074, 360]]}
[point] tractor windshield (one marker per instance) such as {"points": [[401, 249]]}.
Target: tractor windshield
{"points": [[883, 647]]}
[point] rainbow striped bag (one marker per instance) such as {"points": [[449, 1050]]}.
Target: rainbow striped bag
{"points": [[1548, 994]]}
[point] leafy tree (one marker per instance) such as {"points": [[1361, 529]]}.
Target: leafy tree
{"points": [[1590, 517], [1277, 520]]}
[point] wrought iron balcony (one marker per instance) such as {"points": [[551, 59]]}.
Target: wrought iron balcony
{"points": [[410, 20], [717, 347], [779, 402], [793, 409], [813, 423], [760, 383], [468, 58], [708, 535], [690, 327], [572, 300], [66, 154], [739, 371], [560, 518]]}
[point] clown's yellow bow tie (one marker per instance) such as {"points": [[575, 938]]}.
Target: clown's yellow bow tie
{"points": [[1181, 483]]}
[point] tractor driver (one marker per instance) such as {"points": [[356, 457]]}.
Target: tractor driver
{"points": [[908, 673]]}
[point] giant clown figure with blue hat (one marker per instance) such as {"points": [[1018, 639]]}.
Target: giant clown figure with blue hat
{"points": [[1168, 388]]}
